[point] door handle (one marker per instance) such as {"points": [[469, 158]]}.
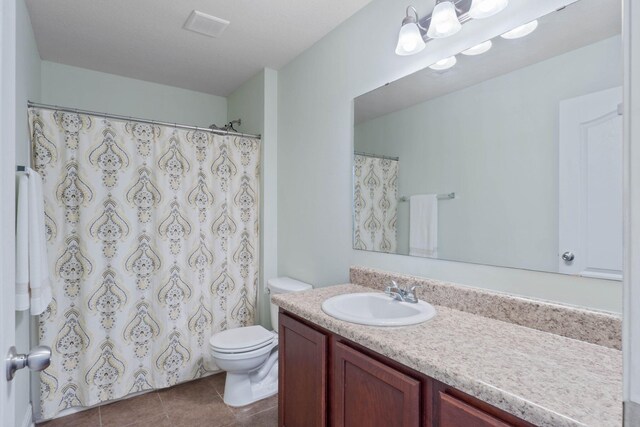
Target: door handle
{"points": [[38, 359], [568, 256]]}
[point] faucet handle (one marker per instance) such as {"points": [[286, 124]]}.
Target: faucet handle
{"points": [[412, 292], [414, 287]]}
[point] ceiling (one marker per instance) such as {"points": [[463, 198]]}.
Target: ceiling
{"points": [[144, 39], [579, 24]]}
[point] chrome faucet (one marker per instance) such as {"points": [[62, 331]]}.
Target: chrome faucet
{"points": [[401, 294]]}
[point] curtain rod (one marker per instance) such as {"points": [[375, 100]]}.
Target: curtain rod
{"points": [[136, 119], [379, 156]]}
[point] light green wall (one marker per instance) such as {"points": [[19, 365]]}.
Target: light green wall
{"points": [[28, 78], [247, 102], [256, 103], [270, 183], [27, 88], [92, 90], [315, 110], [496, 145]]}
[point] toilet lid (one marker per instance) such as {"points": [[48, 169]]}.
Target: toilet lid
{"points": [[241, 339]]}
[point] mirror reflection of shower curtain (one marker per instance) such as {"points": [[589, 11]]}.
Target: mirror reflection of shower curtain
{"points": [[153, 241], [375, 203]]}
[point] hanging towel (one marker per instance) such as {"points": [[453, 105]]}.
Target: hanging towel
{"points": [[22, 244], [423, 225], [33, 288]]}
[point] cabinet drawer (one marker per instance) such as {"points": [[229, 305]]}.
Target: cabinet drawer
{"points": [[457, 413], [369, 393]]}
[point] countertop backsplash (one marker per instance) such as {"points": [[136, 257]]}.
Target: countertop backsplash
{"points": [[596, 327]]}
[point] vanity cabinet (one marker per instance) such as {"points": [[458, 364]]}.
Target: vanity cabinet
{"points": [[326, 379]]}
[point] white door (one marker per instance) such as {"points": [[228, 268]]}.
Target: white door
{"points": [[7, 206], [590, 185]]}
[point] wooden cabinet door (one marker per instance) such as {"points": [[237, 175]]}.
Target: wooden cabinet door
{"points": [[302, 382], [370, 394], [457, 413]]}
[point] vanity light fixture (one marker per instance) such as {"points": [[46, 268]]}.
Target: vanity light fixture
{"points": [[521, 31], [485, 8], [444, 20], [444, 64], [478, 49], [410, 39]]}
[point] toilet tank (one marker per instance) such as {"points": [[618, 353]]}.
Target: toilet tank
{"points": [[283, 285]]}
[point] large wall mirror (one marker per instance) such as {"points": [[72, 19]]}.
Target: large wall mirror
{"points": [[511, 156]]}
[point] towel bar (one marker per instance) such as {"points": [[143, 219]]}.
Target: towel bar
{"points": [[447, 196]]}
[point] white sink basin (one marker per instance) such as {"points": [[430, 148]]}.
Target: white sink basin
{"points": [[377, 309]]}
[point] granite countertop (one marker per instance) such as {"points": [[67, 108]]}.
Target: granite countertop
{"points": [[543, 378]]}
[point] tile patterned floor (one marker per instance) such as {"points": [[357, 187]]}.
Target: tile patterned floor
{"points": [[196, 403]]}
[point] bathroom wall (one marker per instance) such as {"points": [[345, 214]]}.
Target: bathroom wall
{"points": [[27, 78], [92, 90], [315, 131], [521, 173], [257, 104], [27, 87], [247, 103]]}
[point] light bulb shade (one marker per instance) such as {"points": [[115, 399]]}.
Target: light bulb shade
{"points": [[478, 49], [521, 31], [444, 64], [485, 8], [409, 40], [444, 21]]}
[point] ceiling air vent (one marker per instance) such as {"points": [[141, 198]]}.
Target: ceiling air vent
{"points": [[208, 25]]}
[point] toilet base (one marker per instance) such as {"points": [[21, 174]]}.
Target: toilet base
{"points": [[244, 389]]}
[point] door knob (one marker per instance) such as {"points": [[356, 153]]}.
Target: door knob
{"points": [[568, 256], [38, 359]]}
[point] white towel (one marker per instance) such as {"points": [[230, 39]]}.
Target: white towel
{"points": [[31, 246], [22, 244], [423, 225]]}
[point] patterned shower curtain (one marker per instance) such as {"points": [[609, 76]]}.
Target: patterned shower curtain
{"points": [[153, 244], [375, 211]]}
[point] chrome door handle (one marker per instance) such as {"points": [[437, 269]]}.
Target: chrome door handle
{"points": [[38, 359], [568, 256]]}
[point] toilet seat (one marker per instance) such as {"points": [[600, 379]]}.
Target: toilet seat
{"points": [[241, 340], [245, 355]]}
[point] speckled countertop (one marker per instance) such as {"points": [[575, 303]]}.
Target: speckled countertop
{"points": [[546, 379]]}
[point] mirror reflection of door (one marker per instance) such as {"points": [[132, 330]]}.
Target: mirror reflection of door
{"points": [[590, 185]]}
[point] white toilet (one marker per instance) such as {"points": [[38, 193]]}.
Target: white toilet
{"points": [[250, 354]]}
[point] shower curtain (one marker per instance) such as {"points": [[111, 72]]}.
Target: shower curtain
{"points": [[375, 209], [153, 246]]}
